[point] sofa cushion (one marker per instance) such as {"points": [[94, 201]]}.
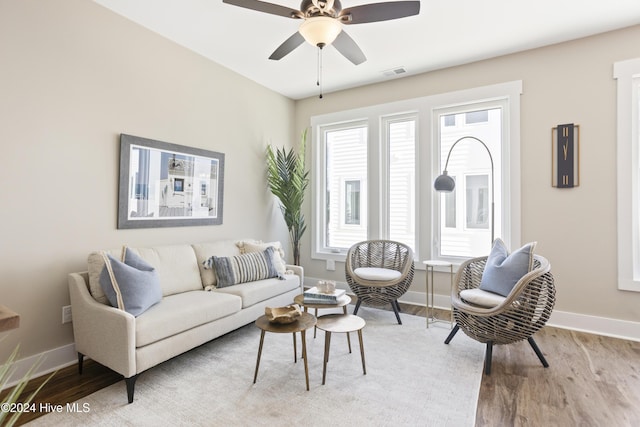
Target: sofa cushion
{"points": [[503, 270], [177, 267], [261, 290], [180, 312], [243, 268], [132, 285], [247, 246], [205, 251]]}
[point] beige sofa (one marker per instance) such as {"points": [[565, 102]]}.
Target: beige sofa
{"points": [[192, 310]]}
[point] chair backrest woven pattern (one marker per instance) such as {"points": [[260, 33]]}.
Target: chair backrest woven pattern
{"points": [[381, 254]]}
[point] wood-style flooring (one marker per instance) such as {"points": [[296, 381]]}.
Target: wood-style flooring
{"points": [[591, 381]]}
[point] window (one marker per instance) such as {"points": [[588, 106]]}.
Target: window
{"points": [[352, 202], [470, 165], [374, 167], [627, 74], [472, 117], [477, 201], [345, 198], [450, 208], [400, 137], [450, 120]]}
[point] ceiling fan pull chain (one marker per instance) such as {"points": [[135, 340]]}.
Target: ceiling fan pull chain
{"points": [[319, 80]]}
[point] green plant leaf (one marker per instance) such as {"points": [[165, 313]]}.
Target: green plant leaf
{"points": [[288, 181], [6, 371]]}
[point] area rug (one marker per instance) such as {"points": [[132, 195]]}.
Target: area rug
{"points": [[412, 379]]}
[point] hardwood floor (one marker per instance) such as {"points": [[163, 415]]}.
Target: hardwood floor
{"points": [[591, 381]]}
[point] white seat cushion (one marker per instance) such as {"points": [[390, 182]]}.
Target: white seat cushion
{"points": [[261, 290], [180, 312], [376, 273], [482, 298]]}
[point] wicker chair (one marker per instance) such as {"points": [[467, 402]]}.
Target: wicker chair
{"points": [[372, 255], [522, 313]]}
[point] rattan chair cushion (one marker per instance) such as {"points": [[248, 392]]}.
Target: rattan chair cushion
{"points": [[375, 273], [481, 298]]}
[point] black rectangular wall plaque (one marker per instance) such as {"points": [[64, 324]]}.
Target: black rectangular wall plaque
{"points": [[565, 156]]}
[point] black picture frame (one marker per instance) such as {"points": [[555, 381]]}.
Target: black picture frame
{"points": [[168, 185]]}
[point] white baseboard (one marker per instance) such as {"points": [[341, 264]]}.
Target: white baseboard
{"points": [[614, 328], [50, 361]]}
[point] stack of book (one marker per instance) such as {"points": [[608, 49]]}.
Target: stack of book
{"points": [[314, 296]]}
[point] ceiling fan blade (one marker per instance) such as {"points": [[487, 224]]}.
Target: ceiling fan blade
{"points": [[289, 44], [376, 12], [265, 7], [348, 48]]}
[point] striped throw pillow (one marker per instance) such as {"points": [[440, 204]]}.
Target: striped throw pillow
{"points": [[243, 268]]}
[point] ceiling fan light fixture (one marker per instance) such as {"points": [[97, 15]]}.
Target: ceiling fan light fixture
{"points": [[320, 30]]}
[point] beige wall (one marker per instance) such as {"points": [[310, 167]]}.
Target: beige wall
{"points": [[73, 76], [575, 228]]}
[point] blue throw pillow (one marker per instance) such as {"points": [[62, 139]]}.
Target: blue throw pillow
{"points": [[135, 286], [503, 270]]}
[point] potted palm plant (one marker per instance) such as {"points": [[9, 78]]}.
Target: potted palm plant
{"points": [[288, 180]]}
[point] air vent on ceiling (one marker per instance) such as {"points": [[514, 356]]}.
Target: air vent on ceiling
{"points": [[394, 71]]}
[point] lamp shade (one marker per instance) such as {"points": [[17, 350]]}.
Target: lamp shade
{"points": [[444, 183], [320, 30]]}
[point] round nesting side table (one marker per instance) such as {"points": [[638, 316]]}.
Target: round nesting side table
{"points": [[301, 325], [343, 301], [340, 323], [431, 265]]}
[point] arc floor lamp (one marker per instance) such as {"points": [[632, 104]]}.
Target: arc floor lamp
{"points": [[445, 183]]}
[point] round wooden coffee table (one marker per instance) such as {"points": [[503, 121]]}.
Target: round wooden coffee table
{"points": [[301, 325], [341, 323]]}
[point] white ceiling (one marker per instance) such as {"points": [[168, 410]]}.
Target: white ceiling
{"points": [[445, 33]]}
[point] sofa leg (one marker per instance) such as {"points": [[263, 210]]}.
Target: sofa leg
{"points": [[80, 362], [131, 383]]}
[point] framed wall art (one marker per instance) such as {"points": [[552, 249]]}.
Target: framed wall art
{"points": [[168, 185]]}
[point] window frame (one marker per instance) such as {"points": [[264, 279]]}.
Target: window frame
{"points": [[385, 123], [427, 165], [627, 74], [508, 204]]}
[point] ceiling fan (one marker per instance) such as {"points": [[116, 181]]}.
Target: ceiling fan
{"points": [[323, 21]]}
